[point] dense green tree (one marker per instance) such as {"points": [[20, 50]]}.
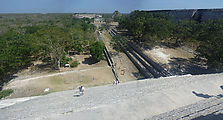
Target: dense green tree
{"points": [[96, 50], [144, 26], [185, 30], [211, 43], [44, 37], [159, 29], [16, 51], [53, 40]]}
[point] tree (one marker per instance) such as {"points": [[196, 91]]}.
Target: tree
{"points": [[119, 41], [160, 29], [143, 25], [136, 28], [16, 50], [211, 43], [185, 30], [47, 37], [53, 45], [96, 50]]}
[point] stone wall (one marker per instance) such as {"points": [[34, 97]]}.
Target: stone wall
{"points": [[196, 14]]}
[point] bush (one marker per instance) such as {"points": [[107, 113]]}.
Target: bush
{"points": [[5, 93], [65, 60], [74, 64]]}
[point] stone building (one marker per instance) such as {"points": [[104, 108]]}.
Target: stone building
{"points": [[195, 14]]}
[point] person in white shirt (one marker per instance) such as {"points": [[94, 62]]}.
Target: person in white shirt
{"points": [[81, 90]]}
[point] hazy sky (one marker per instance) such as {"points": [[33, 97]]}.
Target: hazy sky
{"points": [[101, 6]]}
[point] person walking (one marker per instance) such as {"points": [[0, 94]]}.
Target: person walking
{"points": [[116, 81], [81, 90]]}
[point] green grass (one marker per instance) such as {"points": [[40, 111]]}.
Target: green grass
{"points": [[5, 93]]}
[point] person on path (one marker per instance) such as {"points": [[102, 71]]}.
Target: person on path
{"points": [[81, 90], [116, 81]]}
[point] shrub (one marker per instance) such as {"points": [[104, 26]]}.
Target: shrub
{"points": [[5, 93], [65, 60], [74, 64]]}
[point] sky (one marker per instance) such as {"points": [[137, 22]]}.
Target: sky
{"points": [[101, 6]]}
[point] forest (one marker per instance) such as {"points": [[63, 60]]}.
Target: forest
{"points": [[46, 37], [206, 38]]}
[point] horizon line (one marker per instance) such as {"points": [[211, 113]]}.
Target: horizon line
{"points": [[109, 12]]}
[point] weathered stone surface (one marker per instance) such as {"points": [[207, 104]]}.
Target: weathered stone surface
{"points": [[133, 100]]}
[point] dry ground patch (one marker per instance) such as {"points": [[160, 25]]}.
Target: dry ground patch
{"points": [[164, 55], [29, 83]]}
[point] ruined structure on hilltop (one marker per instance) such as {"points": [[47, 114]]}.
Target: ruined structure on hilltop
{"points": [[195, 14]]}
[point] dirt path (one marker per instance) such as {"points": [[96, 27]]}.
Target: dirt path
{"points": [[123, 66]]}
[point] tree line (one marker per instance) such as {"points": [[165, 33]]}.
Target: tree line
{"points": [[206, 36]]}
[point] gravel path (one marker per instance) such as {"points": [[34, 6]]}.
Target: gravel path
{"points": [[132, 100]]}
